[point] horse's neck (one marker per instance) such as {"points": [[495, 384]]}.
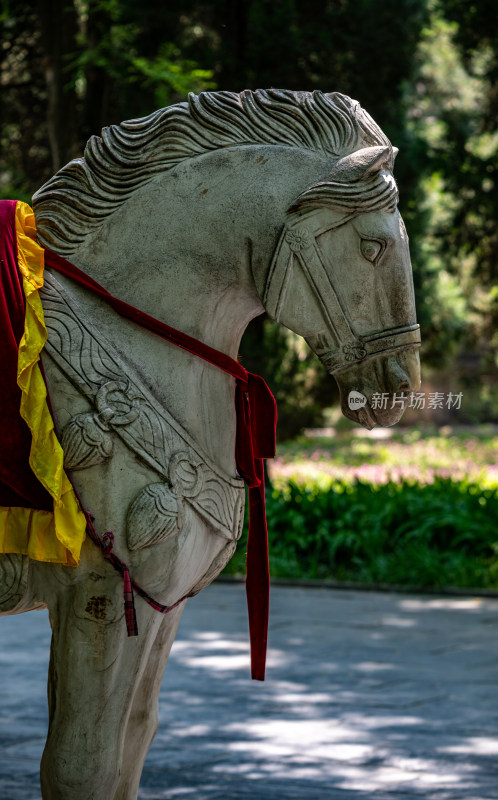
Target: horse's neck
{"points": [[197, 394], [185, 283], [184, 249]]}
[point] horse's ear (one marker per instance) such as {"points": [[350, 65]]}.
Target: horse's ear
{"points": [[361, 163]]}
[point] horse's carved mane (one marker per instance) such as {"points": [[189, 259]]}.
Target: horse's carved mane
{"points": [[78, 199]]}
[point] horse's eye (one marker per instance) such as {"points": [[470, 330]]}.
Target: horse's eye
{"points": [[370, 249]]}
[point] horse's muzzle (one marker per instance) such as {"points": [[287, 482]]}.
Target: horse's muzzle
{"points": [[377, 392]]}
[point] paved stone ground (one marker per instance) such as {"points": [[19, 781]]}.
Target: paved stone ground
{"points": [[368, 696]]}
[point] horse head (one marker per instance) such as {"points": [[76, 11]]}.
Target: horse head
{"points": [[341, 277], [275, 200]]}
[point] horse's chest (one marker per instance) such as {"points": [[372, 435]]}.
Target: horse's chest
{"points": [[121, 407]]}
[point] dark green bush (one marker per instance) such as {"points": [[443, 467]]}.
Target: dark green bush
{"points": [[440, 534]]}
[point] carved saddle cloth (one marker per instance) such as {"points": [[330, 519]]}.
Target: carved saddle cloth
{"points": [[125, 407]]}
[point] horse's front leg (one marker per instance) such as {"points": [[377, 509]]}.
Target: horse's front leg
{"points": [[94, 671], [144, 715]]}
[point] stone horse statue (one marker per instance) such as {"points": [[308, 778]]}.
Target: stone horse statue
{"points": [[203, 215]]}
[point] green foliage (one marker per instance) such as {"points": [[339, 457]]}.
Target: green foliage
{"points": [[427, 71], [451, 118], [417, 509], [301, 386], [24, 147], [440, 534], [364, 49], [112, 40], [170, 75], [70, 68]]}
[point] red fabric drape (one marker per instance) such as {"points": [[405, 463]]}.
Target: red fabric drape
{"points": [[19, 488], [256, 414]]}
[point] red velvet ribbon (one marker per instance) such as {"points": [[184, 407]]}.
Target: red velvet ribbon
{"points": [[256, 414]]}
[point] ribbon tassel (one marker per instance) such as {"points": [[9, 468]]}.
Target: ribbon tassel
{"points": [[129, 605], [129, 600], [256, 412]]}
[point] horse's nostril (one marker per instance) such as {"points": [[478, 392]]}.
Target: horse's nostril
{"points": [[397, 376]]}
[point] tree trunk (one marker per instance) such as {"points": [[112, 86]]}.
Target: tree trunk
{"points": [[96, 111], [59, 26]]}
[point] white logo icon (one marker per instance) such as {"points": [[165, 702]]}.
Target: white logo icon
{"points": [[356, 400]]}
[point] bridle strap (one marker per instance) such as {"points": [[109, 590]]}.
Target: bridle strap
{"points": [[367, 347], [312, 265], [298, 243]]}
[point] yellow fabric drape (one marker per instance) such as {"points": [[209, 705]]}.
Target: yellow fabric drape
{"points": [[42, 535]]}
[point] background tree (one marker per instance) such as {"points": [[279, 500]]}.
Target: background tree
{"points": [[427, 71], [452, 110]]}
